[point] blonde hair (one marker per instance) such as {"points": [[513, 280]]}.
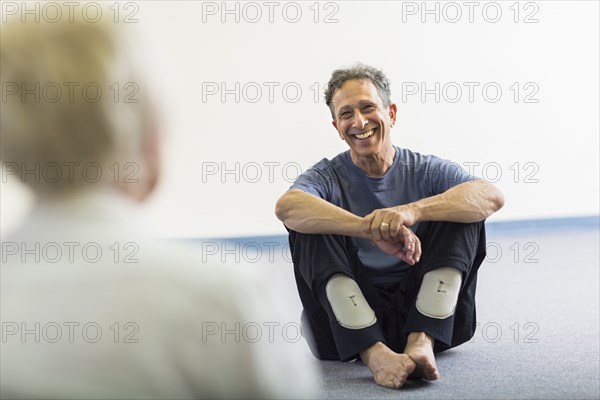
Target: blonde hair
{"points": [[70, 98]]}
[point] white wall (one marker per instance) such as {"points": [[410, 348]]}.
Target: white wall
{"points": [[546, 151]]}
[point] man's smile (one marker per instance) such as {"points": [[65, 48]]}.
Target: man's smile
{"points": [[364, 135]]}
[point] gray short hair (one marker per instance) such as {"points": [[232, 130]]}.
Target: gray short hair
{"points": [[70, 130], [358, 71]]}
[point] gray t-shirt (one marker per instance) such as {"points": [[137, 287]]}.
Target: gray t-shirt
{"points": [[411, 177]]}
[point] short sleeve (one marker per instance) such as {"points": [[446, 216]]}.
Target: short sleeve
{"points": [[444, 174], [318, 180]]}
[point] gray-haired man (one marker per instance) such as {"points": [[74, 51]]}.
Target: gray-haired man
{"points": [[386, 242]]}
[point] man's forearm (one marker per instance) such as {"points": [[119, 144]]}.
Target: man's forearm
{"points": [[468, 202], [305, 213]]}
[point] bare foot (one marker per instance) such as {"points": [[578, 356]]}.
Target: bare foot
{"points": [[419, 348], [389, 369]]}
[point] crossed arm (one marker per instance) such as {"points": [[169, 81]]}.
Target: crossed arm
{"points": [[471, 201]]}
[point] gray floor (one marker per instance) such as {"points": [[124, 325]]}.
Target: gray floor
{"points": [[538, 335]]}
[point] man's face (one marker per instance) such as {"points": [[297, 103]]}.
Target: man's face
{"points": [[361, 119]]}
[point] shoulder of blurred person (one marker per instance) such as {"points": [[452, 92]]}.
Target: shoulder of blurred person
{"points": [[92, 307]]}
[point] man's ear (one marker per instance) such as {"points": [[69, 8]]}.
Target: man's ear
{"points": [[393, 111], [336, 128]]}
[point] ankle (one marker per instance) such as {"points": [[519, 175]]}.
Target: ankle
{"points": [[367, 355], [419, 338]]}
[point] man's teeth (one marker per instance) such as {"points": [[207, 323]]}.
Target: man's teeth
{"points": [[365, 135]]}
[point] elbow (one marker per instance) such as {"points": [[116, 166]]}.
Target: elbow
{"points": [[282, 208], [499, 200], [496, 198], [491, 198], [286, 208]]}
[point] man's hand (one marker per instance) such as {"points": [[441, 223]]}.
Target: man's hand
{"points": [[407, 247], [386, 223]]}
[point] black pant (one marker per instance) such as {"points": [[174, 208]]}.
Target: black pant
{"points": [[444, 244]]}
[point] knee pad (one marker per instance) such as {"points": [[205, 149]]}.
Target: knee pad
{"points": [[439, 293], [348, 303]]}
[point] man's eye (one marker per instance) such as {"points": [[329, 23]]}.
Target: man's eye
{"points": [[369, 107], [345, 115]]}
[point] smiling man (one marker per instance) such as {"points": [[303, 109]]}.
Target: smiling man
{"points": [[386, 242]]}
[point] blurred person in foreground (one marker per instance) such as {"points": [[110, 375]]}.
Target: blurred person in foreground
{"points": [[90, 307], [386, 242]]}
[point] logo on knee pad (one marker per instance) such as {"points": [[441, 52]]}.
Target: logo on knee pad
{"points": [[348, 303], [439, 293], [439, 289]]}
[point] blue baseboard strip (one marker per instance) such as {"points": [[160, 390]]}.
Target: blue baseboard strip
{"points": [[545, 225], [533, 226]]}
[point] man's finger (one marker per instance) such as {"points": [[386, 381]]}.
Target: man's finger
{"points": [[376, 228], [417, 255], [384, 228], [408, 239], [395, 227], [407, 258]]}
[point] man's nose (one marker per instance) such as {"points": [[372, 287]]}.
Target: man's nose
{"points": [[359, 120]]}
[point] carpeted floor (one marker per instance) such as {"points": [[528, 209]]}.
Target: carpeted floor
{"points": [[538, 335]]}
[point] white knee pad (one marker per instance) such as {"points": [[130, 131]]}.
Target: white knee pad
{"points": [[348, 303], [439, 293]]}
